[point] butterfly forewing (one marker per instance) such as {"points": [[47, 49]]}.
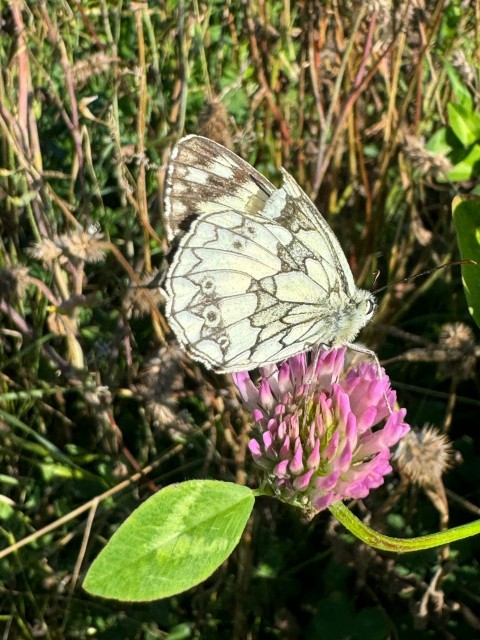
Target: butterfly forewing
{"points": [[200, 179], [259, 276]]}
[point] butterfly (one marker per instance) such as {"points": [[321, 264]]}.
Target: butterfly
{"points": [[257, 275]]}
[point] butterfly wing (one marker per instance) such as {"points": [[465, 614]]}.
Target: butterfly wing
{"points": [[203, 175], [260, 275]]}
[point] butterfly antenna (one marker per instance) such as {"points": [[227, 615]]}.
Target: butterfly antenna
{"points": [[423, 273], [376, 275]]}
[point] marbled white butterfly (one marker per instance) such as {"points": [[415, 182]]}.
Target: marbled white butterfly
{"points": [[259, 276]]}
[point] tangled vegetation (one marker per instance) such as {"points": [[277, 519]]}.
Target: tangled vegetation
{"points": [[374, 108]]}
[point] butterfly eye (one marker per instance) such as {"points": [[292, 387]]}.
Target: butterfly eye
{"points": [[370, 306]]}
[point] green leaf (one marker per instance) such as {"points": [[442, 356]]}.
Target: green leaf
{"points": [[440, 142], [172, 542], [371, 623], [465, 123], [23, 200], [51, 472], [334, 618], [468, 167], [462, 93], [238, 104], [181, 631], [466, 217]]}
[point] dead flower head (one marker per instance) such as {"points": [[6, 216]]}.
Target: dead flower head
{"points": [[161, 380], [78, 244], [95, 65], [144, 297], [13, 283], [45, 250], [424, 161], [213, 123], [459, 339], [464, 67], [424, 456]]}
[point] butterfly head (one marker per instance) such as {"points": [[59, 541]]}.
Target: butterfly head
{"points": [[356, 315], [365, 305]]}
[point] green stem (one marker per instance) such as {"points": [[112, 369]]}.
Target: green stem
{"points": [[400, 545]]}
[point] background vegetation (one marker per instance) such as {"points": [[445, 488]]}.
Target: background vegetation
{"points": [[373, 107]]}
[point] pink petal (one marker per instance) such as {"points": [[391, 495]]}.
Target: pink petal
{"points": [[313, 459], [280, 469], [267, 399], [321, 502], [301, 482], [296, 465], [285, 448]]}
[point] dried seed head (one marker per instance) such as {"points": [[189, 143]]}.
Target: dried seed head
{"points": [[160, 382], [456, 335], [56, 323], [422, 160], [391, 17], [96, 64], [45, 250], [78, 244], [83, 245], [382, 9], [213, 123], [464, 67], [423, 456], [13, 283], [143, 298], [458, 338]]}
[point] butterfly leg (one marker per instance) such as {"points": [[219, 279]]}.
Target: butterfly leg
{"points": [[371, 354]]}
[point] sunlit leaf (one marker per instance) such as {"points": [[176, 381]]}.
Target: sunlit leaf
{"points": [[468, 167], [465, 123], [462, 93], [466, 216], [442, 141], [173, 541]]}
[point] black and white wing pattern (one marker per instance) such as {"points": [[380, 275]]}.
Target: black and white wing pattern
{"points": [[201, 172], [259, 276]]}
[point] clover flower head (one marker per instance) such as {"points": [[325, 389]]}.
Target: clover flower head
{"points": [[322, 431]]}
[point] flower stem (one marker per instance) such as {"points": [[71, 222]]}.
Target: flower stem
{"points": [[400, 545]]}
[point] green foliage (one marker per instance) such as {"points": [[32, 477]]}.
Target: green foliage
{"points": [[336, 619], [173, 541], [466, 216], [460, 141]]}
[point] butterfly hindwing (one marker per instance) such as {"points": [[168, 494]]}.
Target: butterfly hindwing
{"points": [[234, 301], [259, 276]]}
